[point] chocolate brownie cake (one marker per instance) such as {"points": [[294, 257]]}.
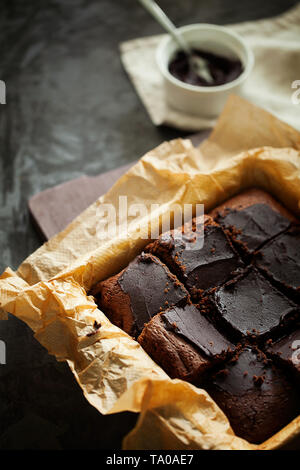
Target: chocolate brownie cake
{"points": [[250, 306], [286, 352], [138, 292], [241, 270], [200, 262], [252, 218], [280, 259], [255, 395], [184, 343]]}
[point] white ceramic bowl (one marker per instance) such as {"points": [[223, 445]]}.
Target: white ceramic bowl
{"points": [[199, 100]]}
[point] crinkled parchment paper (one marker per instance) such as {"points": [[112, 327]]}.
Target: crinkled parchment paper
{"points": [[49, 292]]}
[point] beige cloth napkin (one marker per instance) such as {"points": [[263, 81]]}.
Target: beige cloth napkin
{"points": [[276, 46]]}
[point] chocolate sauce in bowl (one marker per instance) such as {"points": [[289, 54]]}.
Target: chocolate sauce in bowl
{"points": [[222, 69]]}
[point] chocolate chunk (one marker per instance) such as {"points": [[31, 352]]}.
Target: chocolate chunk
{"points": [[259, 403]]}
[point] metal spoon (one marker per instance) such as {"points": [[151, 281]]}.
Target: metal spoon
{"points": [[198, 65]]}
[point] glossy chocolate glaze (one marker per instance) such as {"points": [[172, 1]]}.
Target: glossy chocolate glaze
{"points": [[281, 258], [254, 225], [151, 288], [222, 69], [251, 306], [199, 265], [256, 396], [191, 325]]}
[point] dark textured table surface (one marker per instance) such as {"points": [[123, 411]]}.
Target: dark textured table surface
{"points": [[70, 111]]}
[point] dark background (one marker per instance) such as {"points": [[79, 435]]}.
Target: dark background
{"points": [[70, 110]]}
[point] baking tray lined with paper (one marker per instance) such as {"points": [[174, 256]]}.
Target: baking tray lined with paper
{"points": [[248, 147]]}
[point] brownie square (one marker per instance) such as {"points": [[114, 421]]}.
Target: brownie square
{"points": [[255, 395], [132, 297], [250, 306], [287, 352], [200, 263], [280, 259], [252, 218], [184, 343]]}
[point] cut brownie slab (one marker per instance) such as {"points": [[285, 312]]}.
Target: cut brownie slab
{"points": [[287, 352], [249, 306], [137, 293], [184, 343], [252, 218], [280, 259], [256, 396], [200, 263]]}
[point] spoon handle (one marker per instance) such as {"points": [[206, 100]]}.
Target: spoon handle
{"points": [[165, 22]]}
